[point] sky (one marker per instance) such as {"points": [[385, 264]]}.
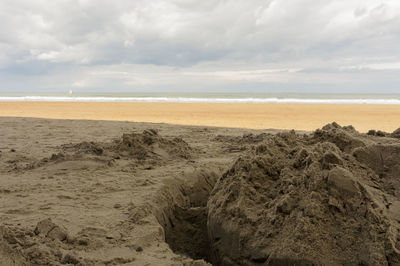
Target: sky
{"points": [[200, 46]]}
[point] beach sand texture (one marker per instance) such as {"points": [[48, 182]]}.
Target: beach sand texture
{"points": [[254, 116], [111, 193]]}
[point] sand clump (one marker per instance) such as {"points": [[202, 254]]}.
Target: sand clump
{"points": [[151, 144], [49, 229], [379, 133], [329, 198], [396, 134], [51, 244], [43, 246]]}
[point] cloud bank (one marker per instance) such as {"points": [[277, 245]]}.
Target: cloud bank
{"points": [[212, 45]]}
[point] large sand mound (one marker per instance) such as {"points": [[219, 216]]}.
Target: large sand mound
{"points": [[330, 198]]}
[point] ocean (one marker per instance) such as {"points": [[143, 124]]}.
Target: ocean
{"points": [[299, 98]]}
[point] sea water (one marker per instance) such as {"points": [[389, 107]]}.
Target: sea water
{"points": [[305, 98]]}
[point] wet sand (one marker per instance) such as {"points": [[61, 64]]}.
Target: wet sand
{"points": [[251, 116], [95, 192], [110, 189]]}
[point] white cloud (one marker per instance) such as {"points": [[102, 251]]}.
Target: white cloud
{"points": [[239, 41]]}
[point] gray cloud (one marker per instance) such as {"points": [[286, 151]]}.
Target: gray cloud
{"points": [[217, 43]]}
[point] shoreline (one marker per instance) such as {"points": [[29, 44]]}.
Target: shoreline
{"points": [[192, 99], [305, 117]]}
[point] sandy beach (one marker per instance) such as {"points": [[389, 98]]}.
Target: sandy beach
{"points": [[108, 204], [199, 133], [94, 192], [252, 116]]}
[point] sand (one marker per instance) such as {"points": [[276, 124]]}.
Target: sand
{"points": [[87, 192], [328, 198], [108, 188], [253, 116]]}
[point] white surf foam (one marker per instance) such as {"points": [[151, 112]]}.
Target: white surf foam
{"points": [[197, 100]]}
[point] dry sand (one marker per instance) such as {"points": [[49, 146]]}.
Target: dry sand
{"points": [[255, 116], [86, 192]]}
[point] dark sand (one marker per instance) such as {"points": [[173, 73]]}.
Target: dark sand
{"points": [[111, 193]]}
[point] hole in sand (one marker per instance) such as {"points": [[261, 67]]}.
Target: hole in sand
{"points": [[187, 233], [183, 215]]}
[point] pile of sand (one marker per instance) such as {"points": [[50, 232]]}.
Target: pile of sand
{"points": [[329, 198], [141, 146], [148, 145]]}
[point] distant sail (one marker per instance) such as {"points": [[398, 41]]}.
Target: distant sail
{"points": [[70, 92]]}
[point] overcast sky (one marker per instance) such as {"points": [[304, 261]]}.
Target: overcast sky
{"points": [[192, 45]]}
